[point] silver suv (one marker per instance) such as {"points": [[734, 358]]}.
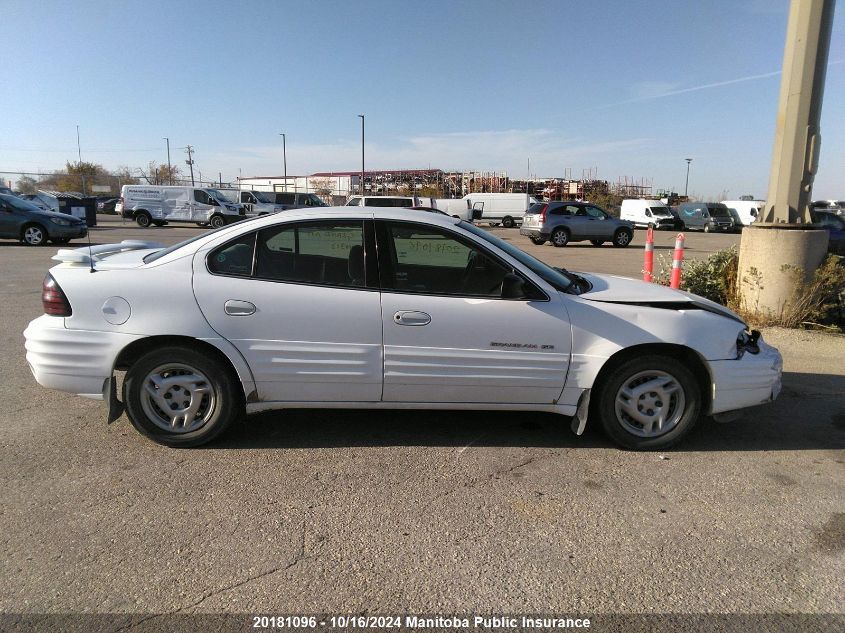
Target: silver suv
{"points": [[571, 221]]}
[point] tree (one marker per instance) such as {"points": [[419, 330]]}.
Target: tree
{"points": [[162, 174], [26, 184], [323, 188]]}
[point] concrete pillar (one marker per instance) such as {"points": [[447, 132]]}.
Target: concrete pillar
{"points": [[772, 260], [782, 247]]}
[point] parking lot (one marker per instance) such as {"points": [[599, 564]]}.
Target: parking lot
{"points": [[424, 512]]}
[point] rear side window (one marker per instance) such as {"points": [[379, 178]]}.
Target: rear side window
{"points": [[535, 208], [285, 198], [324, 253]]}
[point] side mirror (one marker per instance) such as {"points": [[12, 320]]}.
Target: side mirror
{"points": [[513, 287]]}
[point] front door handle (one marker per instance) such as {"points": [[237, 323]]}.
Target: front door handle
{"points": [[239, 308], [411, 317]]}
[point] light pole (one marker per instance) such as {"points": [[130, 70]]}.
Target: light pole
{"points": [[79, 154], [285, 159], [361, 116], [686, 186], [169, 168]]}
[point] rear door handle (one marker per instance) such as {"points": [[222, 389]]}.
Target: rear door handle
{"points": [[239, 308], [411, 317]]}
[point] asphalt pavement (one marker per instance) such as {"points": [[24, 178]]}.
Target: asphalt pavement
{"points": [[428, 512]]}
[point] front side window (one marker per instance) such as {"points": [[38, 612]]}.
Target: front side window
{"points": [[326, 253], [202, 197], [595, 212], [429, 260]]}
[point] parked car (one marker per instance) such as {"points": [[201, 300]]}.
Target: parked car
{"points": [[383, 309], [506, 209], [22, 220], [835, 225], [573, 221], [645, 213], [106, 205], [297, 200], [706, 216], [406, 202], [159, 204]]}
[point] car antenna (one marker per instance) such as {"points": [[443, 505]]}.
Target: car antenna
{"points": [[90, 255]]}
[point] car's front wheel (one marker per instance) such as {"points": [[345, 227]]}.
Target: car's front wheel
{"points": [[622, 238], [560, 237], [33, 235], [217, 221], [648, 403], [181, 397]]}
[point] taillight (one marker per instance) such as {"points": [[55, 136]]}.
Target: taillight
{"points": [[543, 213], [53, 298]]}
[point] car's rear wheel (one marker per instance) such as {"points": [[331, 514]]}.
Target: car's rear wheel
{"points": [[507, 222], [560, 237], [217, 221], [33, 235], [181, 397], [143, 219], [706, 228], [622, 238], [539, 241], [648, 403], [596, 242]]}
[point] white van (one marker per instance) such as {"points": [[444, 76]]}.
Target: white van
{"points": [[254, 203], [745, 211], [506, 209], [384, 201], [456, 207], [645, 213], [159, 204]]}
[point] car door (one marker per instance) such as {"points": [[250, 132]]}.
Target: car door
{"points": [[10, 221], [598, 225], [450, 337], [294, 299]]}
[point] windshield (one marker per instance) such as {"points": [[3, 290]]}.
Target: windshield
{"points": [[265, 196], [18, 203], [218, 195], [661, 212], [556, 278]]}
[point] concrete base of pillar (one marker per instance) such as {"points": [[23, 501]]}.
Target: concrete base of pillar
{"points": [[772, 257]]}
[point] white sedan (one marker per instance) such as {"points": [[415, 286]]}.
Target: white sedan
{"points": [[357, 307]]}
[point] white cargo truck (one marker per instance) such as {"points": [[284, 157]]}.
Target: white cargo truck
{"points": [[506, 209], [159, 204]]}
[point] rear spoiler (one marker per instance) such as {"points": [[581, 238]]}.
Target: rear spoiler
{"points": [[89, 254]]}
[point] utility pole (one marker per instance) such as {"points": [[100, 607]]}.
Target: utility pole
{"points": [[169, 168], [783, 241], [79, 164], [686, 186], [189, 150], [361, 116], [285, 159]]}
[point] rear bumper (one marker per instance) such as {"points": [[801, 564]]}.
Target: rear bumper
{"points": [[535, 233], [747, 381], [78, 361]]}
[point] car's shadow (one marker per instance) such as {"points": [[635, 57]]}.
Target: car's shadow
{"points": [[810, 415]]}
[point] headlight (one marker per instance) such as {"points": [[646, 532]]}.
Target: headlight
{"points": [[60, 221], [746, 341]]}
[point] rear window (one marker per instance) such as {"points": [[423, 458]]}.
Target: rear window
{"points": [[535, 208]]}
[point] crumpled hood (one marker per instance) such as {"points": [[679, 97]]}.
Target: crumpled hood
{"points": [[615, 289]]}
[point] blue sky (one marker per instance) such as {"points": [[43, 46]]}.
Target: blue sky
{"points": [[629, 88]]}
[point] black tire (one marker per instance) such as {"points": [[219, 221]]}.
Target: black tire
{"points": [[60, 240], [217, 221], [621, 427], [508, 222], [706, 228], [596, 242], [539, 241], [143, 219], [622, 238], [224, 403], [33, 234], [560, 237]]}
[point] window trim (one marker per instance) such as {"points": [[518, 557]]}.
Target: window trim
{"points": [[369, 284], [385, 264]]}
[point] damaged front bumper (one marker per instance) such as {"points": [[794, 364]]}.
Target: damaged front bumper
{"points": [[746, 381]]}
